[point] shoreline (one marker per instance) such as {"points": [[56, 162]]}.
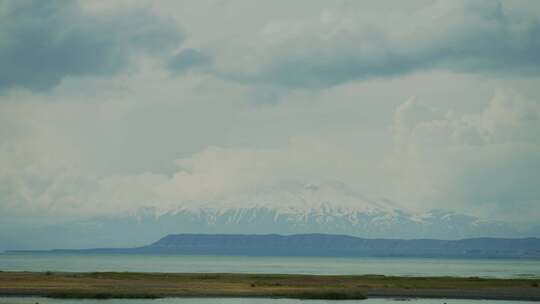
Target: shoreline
{"points": [[131, 285]]}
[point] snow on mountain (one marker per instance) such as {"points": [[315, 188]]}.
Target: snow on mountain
{"points": [[295, 198], [328, 208]]}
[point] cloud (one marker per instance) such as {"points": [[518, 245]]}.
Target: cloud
{"points": [[483, 161], [340, 46], [188, 59], [108, 143], [215, 176], [43, 42], [79, 159], [57, 147], [478, 163]]}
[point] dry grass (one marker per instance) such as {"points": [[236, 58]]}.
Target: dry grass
{"points": [[157, 285]]}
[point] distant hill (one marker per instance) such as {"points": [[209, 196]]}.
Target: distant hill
{"points": [[325, 245]]}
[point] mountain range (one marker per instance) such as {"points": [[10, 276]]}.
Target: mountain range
{"points": [[326, 209]]}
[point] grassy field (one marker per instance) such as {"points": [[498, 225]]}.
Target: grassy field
{"points": [[158, 285]]}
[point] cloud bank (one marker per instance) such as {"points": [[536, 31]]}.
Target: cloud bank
{"points": [[106, 107], [475, 160], [479, 162], [42, 42], [340, 46]]}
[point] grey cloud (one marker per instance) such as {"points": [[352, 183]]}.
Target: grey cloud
{"points": [[188, 59], [472, 36], [44, 41]]}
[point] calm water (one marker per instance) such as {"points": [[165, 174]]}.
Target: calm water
{"points": [[245, 301], [300, 265]]}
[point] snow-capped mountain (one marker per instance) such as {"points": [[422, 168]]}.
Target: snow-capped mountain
{"points": [[326, 208], [329, 208]]}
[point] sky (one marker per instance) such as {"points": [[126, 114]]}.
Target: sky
{"points": [[111, 106]]}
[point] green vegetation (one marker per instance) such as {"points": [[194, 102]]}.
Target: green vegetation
{"points": [[105, 285]]}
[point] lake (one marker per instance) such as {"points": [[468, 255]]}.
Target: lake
{"points": [[300, 265], [33, 300]]}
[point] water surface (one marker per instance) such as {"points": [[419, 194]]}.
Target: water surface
{"points": [[299, 265]]}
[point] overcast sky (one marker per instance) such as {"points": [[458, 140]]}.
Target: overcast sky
{"points": [[106, 107]]}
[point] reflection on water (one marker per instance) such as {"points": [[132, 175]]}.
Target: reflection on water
{"points": [[246, 301], [300, 265]]}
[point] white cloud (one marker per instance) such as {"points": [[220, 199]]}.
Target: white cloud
{"points": [[485, 162], [215, 176]]}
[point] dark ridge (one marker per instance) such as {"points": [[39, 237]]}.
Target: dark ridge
{"points": [[325, 245]]}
